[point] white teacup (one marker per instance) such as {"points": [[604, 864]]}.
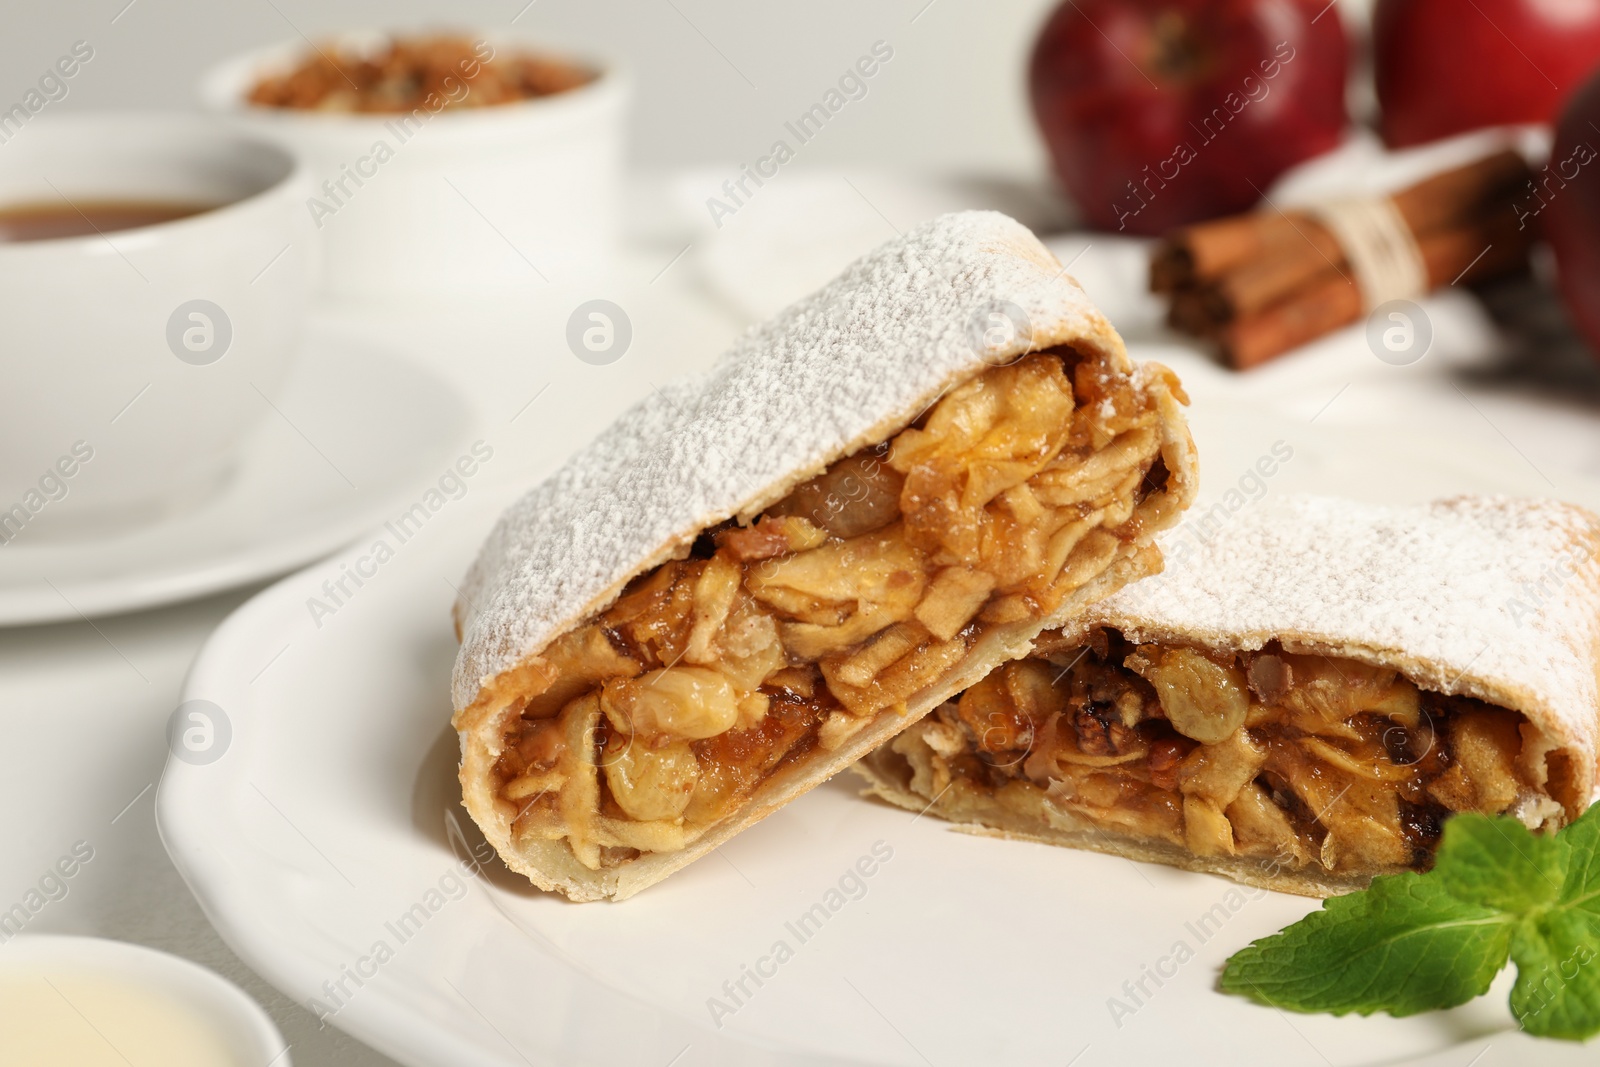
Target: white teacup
{"points": [[454, 202], [134, 361]]}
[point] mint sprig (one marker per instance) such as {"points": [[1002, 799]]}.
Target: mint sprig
{"points": [[1419, 942]]}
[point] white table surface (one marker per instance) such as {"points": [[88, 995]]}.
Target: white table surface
{"points": [[85, 704]]}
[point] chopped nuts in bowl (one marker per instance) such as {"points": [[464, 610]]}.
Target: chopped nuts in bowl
{"points": [[443, 164]]}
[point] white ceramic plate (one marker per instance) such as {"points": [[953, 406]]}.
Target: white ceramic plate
{"points": [[130, 985], [321, 844], [358, 433]]}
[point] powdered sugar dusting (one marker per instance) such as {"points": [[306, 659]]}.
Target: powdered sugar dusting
{"points": [[840, 369], [1492, 596]]}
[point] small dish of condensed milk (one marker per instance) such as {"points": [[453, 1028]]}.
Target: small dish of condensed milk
{"points": [[87, 1002]]}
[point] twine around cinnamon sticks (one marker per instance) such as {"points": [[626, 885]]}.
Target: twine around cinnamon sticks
{"points": [[1262, 283]]}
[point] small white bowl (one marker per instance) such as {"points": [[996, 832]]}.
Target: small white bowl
{"points": [[135, 362], [89, 972], [468, 200]]}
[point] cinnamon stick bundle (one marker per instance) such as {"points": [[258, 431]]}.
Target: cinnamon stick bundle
{"points": [[1484, 249], [1210, 249], [1262, 283]]}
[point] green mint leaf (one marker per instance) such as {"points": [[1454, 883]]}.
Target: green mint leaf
{"points": [[1498, 863], [1413, 942], [1582, 842], [1558, 976], [1402, 946]]}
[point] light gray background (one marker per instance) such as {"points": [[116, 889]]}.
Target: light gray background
{"points": [[717, 77]]}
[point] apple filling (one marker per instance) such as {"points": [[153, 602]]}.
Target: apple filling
{"points": [[793, 631], [1300, 760]]}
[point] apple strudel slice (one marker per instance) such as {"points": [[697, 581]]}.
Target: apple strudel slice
{"points": [[1300, 704], [753, 578]]}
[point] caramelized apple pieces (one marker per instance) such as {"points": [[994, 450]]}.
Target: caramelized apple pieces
{"points": [[1305, 759], [985, 437], [859, 589]]}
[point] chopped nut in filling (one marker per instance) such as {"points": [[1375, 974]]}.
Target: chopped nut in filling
{"points": [[1306, 761], [836, 605]]}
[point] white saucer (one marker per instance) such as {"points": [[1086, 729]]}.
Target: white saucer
{"points": [[332, 817], [359, 433]]}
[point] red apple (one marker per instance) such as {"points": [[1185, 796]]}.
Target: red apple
{"points": [[1159, 113], [1566, 200], [1447, 66]]}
